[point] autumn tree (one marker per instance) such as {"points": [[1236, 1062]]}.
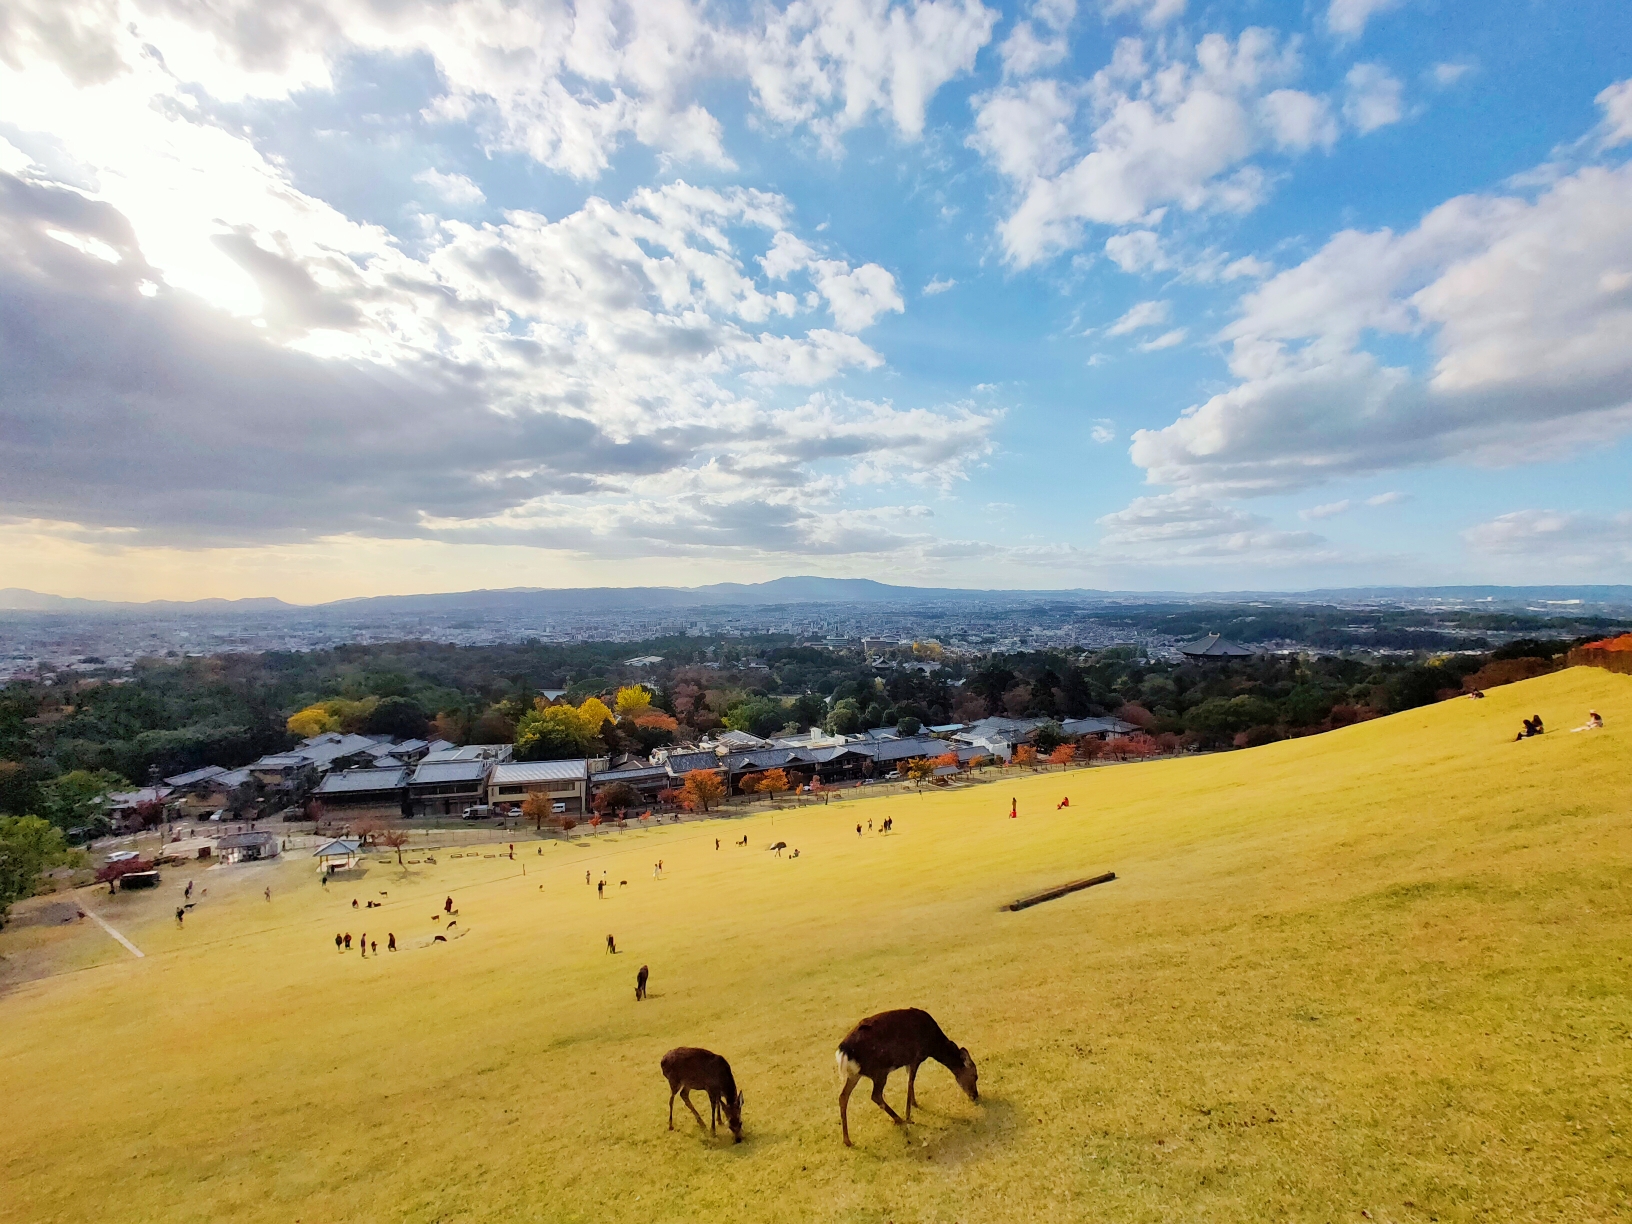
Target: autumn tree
{"points": [[1025, 754], [615, 798], [1064, 754], [774, 782], [632, 700], [702, 789], [396, 839], [537, 807], [748, 784], [919, 770], [949, 759], [369, 827]]}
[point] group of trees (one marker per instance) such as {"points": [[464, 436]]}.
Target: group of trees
{"points": [[29, 847]]}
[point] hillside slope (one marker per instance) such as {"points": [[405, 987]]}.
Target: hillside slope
{"points": [[1381, 969]]}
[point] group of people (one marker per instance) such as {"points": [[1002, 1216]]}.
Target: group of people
{"points": [[342, 943], [1532, 726]]}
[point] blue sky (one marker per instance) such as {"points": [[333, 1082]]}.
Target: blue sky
{"points": [[334, 299]]}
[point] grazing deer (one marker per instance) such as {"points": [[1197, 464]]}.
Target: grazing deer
{"points": [[687, 1067], [640, 983], [901, 1038]]}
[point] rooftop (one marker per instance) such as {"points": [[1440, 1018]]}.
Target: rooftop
{"points": [[519, 773]]}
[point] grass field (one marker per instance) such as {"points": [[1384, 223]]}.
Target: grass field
{"points": [[1385, 969]]}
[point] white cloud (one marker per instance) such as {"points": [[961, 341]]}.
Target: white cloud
{"points": [[1348, 18], [1373, 98], [564, 83], [1166, 340], [1585, 543], [1103, 431], [1449, 72], [1025, 51], [1143, 314], [1393, 498], [832, 63], [1137, 251], [1526, 306], [1298, 121], [938, 285], [1329, 510], [1170, 133], [1616, 103], [1174, 528], [454, 189], [1153, 13]]}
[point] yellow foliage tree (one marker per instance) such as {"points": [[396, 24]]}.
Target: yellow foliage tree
{"points": [[632, 700], [335, 714], [592, 714]]}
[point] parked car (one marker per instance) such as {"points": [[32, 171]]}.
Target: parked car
{"points": [[478, 811]]}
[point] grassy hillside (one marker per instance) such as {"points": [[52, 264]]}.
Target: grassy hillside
{"points": [[1388, 968]]}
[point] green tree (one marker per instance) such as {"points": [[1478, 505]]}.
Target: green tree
{"points": [[28, 847], [75, 798], [808, 710], [762, 716], [398, 717], [844, 718]]}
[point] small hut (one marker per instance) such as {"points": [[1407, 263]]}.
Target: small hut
{"points": [[247, 847]]}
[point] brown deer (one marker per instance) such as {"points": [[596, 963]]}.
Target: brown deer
{"points": [[686, 1068], [901, 1038]]}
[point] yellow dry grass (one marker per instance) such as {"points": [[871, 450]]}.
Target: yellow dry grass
{"points": [[1385, 969]]}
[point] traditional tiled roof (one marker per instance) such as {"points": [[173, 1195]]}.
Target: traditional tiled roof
{"points": [[195, 776], [434, 772], [1214, 647]]}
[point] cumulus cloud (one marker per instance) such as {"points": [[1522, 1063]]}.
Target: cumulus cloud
{"points": [[1373, 98], [1144, 135], [455, 189], [1103, 432], [938, 285], [1348, 18], [1525, 306], [512, 384], [1153, 13], [565, 83], [1040, 41]]}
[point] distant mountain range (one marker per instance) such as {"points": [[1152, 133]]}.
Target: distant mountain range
{"points": [[793, 591]]}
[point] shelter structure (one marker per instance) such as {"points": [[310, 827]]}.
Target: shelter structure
{"points": [[338, 855], [1213, 649]]}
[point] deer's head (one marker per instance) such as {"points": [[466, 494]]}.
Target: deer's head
{"points": [[733, 1116], [967, 1076]]}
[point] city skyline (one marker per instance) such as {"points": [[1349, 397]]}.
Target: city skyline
{"points": [[326, 303]]}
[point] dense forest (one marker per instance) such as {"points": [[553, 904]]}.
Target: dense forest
{"points": [[63, 743]]}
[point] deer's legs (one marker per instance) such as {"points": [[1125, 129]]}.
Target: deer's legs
{"points": [[878, 1098], [912, 1095], [844, 1105], [713, 1114], [671, 1108], [685, 1095]]}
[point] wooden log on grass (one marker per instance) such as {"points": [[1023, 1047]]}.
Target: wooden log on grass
{"points": [[1061, 891]]}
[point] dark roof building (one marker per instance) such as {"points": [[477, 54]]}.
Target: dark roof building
{"points": [[364, 788], [1213, 648]]}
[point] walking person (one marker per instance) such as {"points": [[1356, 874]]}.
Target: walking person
{"points": [[362, 945], [180, 914], [611, 946], [858, 830], [390, 941], [1014, 809], [337, 943], [348, 941], [188, 895], [269, 892], [600, 889]]}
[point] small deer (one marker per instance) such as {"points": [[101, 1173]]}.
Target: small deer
{"points": [[686, 1068], [640, 985], [901, 1038]]}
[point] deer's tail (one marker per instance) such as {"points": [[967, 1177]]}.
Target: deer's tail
{"points": [[845, 1065]]}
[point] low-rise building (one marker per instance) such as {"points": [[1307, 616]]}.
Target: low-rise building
{"points": [[385, 790], [447, 788], [247, 847], [564, 783]]}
